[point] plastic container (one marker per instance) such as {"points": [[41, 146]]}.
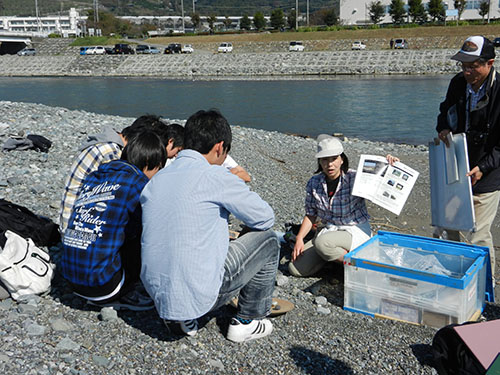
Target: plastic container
{"points": [[417, 279]]}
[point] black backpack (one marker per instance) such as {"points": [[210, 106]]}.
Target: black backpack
{"points": [[451, 354], [20, 220], [40, 143]]}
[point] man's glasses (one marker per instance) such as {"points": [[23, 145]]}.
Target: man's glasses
{"points": [[469, 67]]}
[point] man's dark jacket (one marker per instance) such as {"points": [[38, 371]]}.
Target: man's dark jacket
{"points": [[483, 135]]}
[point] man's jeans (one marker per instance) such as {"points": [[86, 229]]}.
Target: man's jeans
{"points": [[250, 269]]}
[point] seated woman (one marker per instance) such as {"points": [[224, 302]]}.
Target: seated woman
{"points": [[102, 245], [344, 217]]}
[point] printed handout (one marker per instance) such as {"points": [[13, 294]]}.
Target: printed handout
{"points": [[385, 185]]}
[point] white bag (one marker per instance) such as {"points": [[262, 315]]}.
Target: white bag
{"points": [[24, 268]]}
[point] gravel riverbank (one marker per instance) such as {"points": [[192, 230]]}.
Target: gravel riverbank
{"points": [[59, 334]]}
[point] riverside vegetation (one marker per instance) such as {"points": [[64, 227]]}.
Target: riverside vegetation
{"points": [[59, 334]]}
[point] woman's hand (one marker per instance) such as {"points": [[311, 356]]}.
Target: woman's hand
{"points": [[298, 248], [391, 159], [305, 227]]}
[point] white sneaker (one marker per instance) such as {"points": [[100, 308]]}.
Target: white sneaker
{"points": [[239, 332]]}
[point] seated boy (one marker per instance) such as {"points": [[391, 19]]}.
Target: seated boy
{"points": [[106, 146], [102, 244]]}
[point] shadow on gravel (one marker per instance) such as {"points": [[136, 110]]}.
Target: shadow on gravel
{"points": [[331, 285], [315, 363], [492, 310], [423, 353]]}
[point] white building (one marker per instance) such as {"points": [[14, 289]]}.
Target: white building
{"points": [[355, 12], [66, 25]]}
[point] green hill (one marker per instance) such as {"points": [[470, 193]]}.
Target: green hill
{"points": [[160, 7]]}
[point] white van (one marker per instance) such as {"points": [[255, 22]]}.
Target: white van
{"points": [[225, 47]]}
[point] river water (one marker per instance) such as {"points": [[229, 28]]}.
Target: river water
{"points": [[399, 109]]}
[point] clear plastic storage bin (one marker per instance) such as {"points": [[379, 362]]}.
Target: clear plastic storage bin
{"points": [[417, 279]]}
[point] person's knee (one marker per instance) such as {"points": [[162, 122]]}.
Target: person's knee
{"points": [[265, 241], [327, 249], [294, 271]]}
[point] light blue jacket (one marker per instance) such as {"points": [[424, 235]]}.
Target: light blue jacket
{"points": [[185, 233]]}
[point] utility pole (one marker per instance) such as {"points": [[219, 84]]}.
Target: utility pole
{"points": [[489, 7], [96, 13], [307, 13], [194, 9], [37, 16], [182, 11], [296, 15]]}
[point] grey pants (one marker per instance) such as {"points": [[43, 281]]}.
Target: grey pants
{"points": [[328, 247]]}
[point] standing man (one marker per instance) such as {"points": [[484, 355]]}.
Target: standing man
{"points": [[189, 267], [472, 106]]}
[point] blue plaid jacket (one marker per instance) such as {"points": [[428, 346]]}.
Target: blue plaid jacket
{"points": [[106, 213]]}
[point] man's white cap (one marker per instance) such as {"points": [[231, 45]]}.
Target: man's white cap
{"points": [[475, 47], [328, 146]]}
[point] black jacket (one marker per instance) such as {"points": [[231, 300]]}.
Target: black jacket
{"points": [[483, 136]]}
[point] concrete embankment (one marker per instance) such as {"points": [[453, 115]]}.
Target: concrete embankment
{"points": [[431, 61]]}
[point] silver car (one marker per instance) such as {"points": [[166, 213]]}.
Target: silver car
{"points": [[27, 52]]}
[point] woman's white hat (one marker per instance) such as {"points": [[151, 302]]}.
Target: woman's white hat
{"points": [[328, 146]]}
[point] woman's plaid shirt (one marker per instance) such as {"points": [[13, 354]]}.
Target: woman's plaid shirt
{"points": [[343, 208]]}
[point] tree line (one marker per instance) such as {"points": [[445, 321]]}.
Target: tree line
{"points": [[277, 21], [418, 13]]}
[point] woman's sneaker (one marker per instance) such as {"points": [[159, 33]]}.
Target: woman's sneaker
{"points": [[256, 329], [185, 327]]}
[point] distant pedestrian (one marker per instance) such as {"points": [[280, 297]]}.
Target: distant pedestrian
{"points": [[391, 43]]}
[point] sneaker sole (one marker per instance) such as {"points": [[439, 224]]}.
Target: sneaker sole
{"points": [[122, 306]]}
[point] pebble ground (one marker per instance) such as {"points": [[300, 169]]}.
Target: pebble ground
{"points": [[59, 334]]}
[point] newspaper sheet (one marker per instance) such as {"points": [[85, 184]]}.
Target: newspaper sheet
{"points": [[385, 185]]}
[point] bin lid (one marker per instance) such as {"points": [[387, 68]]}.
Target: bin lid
{"points": [[398, 238]]}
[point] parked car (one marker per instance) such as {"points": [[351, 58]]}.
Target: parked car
{"points": [[145, 49], [83, 50], [123, 49], [296, 46], [496, 42], [173, 48], [141, 48], [109, 51], [400, 43], [358, 45], [27, 52], [187, 48], [225, 47], [97, 50]]}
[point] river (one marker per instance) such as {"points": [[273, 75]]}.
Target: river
{"points": [[399, 109]]}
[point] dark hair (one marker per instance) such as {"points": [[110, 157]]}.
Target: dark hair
{"points": [[174, 132], [482, 60], [206, 128], [141, 123], [145, 150], [344, 167]]}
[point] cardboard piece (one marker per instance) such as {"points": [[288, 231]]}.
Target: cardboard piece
{"points": [[482, 340]]}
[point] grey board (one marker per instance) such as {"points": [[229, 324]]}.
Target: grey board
{"points": [[451, 190]]}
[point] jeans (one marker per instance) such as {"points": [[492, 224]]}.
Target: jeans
{"points": [[250, 270]]}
